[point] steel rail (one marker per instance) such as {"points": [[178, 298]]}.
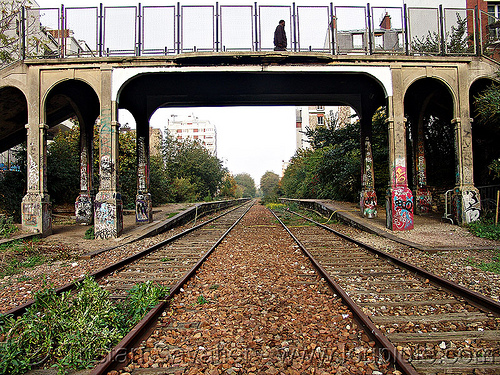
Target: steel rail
{"points": [[474, 298], [118, 354], [21, 309], [381, 340]]}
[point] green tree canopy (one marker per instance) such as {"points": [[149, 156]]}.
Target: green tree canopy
{"points": [[268, 183], [246, 184]]}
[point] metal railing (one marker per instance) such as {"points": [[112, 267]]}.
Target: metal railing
{"points": [[174, 29]]}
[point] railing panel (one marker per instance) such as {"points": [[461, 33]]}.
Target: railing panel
{"points": [[388, 31], [424, 31], [120, 25], [490, 26], [11, 44], [313, 28], [351, 29], [269, 16], [237, 28], [83, 31], [459, 31], [197, 28], [43, 38], [158, 30]]}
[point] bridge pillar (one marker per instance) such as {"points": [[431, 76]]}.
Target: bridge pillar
{"points": [[368, 199], [108, 207], [399, 198], [84, 205], [466, 199], [143, 202], [36, 208]]}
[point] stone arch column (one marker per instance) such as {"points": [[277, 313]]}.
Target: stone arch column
{"points": [[368, 196], [399, 198], [36, 209], [108, 208], [466, 198], [143, 201]]}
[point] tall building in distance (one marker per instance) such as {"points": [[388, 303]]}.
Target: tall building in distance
{"points": [[191, 127], [313, 116]]}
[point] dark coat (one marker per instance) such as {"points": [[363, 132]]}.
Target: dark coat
{"points": [[280, 38]]}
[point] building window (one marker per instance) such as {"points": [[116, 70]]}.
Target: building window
{"points": [[179, 130], [357, 41], [320, 108], [321, 120], [494, 13], [195, 136], [195, 130]]}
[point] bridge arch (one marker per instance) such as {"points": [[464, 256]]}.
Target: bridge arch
{"points": [[13, 116], [143, 93], [76, 98], [485, 141], [430, 108]]}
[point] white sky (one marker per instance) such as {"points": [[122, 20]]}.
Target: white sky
{"points": [[249, 139]]}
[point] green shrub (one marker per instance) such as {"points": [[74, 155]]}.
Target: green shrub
{"points": [[7, 227], [485, 228]]}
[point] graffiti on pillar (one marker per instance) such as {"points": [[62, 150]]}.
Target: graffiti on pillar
{"points": [[84, 170], [421, 165], [83, 209], [142, 167], [471, 206], [402, 208], [423, 201], [105, 215], [106, 172], [31, 213], [32, 173], [369, 204], [47, 217], [141, 209], [400, 176]]}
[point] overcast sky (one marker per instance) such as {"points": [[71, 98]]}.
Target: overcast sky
{"points": [[249, 139]]}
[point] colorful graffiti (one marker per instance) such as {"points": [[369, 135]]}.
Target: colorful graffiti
{"points": [[142, 167], [31, 213], [369, 204], [423, 201], [143, 208], [106, 168], [400, 176], [401, 201]]}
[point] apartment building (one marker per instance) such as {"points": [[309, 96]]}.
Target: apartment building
{"points": [[191, 127]]}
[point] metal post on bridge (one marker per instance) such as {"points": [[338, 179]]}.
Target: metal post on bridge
{"points": [[442, 31], [370, 42], [139, 31], [101, 37], [405, 22], [62, 33], [255, 18], [22, 33], [217, 20], [294, 26], [179, 20], [332, 30]]}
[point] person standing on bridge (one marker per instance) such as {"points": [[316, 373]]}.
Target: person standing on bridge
{"points": [[280, 37]]}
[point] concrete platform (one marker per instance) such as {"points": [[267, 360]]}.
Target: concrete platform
{"points": [[430, 232]]}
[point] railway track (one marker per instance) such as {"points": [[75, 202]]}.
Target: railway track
{"points": [[437, 326], [172, 261]]}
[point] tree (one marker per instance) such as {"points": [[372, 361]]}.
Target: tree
{"points": [[189, 160], [229, 187], [457, 41], [246, 183], [268, 183]]}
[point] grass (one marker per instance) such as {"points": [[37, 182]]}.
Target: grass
{"points": [[71, 331], [485, 228], [7, 227], [493, 266]]}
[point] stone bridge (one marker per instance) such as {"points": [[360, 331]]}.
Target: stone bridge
{"points": [[38, 94]]}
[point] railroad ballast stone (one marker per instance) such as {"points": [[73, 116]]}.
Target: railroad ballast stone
{"points": [[248, 310]]}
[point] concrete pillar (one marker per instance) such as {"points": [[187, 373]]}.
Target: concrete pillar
{"points": [[466, 199], [36, 208], [399, 198], [108, 208], [84, 205], [368, 198], [143, 202]]}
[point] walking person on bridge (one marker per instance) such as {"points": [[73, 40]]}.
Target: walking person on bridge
{"points": [[280, 37]]}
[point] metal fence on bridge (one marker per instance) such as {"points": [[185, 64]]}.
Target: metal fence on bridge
{"points": [[166, 30]]}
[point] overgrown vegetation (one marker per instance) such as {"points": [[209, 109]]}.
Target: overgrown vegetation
{"points": [[7, 227], [66, 332], [331, 168], [493, 266], [485, 228]]}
